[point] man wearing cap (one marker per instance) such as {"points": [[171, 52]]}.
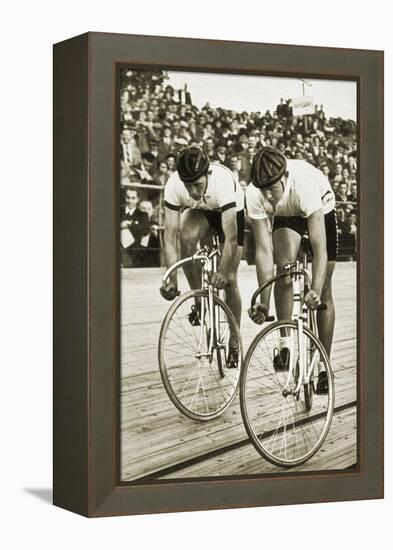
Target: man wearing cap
{"points": [[202, 198], [300, 199], [129, 151], [146, 168]]}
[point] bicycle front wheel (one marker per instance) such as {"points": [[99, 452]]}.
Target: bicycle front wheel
{"points": [[287, 427], [192, 355]]}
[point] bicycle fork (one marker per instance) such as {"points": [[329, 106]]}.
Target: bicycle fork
{"points": [[206, 284], [299, 316]]}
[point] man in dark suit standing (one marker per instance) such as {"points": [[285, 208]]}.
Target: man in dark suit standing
{"points": [[134, 225]]}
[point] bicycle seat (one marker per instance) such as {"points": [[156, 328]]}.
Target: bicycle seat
{"points": [[289, 266], [305, 244]]}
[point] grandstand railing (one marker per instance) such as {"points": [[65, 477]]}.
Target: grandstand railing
{"points": [[347, 243]]}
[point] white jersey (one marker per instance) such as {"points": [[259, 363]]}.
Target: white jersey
{"points": [[307, 190], [222, 191]]}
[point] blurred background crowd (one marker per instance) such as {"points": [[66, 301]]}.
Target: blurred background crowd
{"points": [[157, 122]]}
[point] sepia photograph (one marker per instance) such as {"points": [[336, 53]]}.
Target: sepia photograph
{"points": [[238, 275]]}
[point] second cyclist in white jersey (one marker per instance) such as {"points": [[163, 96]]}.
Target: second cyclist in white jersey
{"points": [[202, 197], [299, 199]]}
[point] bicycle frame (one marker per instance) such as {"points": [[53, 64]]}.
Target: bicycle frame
{"points": [[209, 261], [301, 315]]}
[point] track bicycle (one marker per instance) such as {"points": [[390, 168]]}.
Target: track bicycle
{"points": [[285, 416], [196, 335]]}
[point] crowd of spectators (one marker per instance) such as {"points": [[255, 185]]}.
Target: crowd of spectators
{"points": [[157, 122]]}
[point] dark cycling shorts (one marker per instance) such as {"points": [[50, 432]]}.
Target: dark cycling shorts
{"points": [[299, 224], [214, 219]]}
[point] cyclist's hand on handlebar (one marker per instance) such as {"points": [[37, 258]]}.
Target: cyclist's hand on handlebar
{"points": [[219, 280], [312, 299], [258, 313], [169, 291]]}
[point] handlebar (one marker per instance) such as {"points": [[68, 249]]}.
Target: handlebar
{"points": [[264, 286], [321, 306], [170, 270], [203, 255], [288, 271]]}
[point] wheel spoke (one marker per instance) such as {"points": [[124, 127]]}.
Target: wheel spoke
{"points": [[281, 427], [205, 388]]}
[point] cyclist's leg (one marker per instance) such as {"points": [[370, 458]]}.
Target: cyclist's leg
{"points": [[326, 318], [193, 228], [286, 244], [232, 293]]}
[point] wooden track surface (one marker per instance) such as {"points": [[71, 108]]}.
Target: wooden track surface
{"points": [[158, 441]]}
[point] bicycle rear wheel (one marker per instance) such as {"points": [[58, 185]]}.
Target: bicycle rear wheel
{"points": [[285, 428], [198, 382]]}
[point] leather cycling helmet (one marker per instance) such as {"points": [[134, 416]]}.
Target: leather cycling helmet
{"points": [[268, 167], [191, 164]]}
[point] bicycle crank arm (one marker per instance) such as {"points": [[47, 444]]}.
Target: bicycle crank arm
{"points": [[285, 393]]}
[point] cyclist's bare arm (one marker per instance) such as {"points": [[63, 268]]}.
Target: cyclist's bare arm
{"points": [[263, 256], [171, 231], [317, 234], [229, 251]]}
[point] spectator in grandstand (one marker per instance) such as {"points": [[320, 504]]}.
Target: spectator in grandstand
{"points": [[158, 120], [289, 110], [165, 143], [129, 151], [150, 242], [348, 235], [352, 224], [345, 174], [281, 109], [146, 168], [316, 146], [235, 167], [127, 114], [179, 143], [342, 193], [325, 170], [134, 225], [155, 152], [171, 162], [221, 154], [162, 175], [352, 162], [310, 158], [209, 148], [338, 173], [353, 196]]}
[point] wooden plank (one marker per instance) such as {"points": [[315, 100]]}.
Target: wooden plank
{"points": [[339, 451], [155, 435]]}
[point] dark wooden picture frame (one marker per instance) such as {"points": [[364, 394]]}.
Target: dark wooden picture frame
{"points": [[86, 274]]}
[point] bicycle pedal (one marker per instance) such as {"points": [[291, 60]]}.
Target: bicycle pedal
{"points": [[322, 384], [232, 361], [281, 359], [194, 316]]}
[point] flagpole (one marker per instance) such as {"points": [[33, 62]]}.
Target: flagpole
{"points": [[303, 91]]}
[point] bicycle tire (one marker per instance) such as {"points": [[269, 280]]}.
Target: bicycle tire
{"points": [[258, 438], [232, 376], [308, 395]]}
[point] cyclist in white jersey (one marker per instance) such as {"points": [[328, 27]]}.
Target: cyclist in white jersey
{"points": [[202, 197], [299, 199]]}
